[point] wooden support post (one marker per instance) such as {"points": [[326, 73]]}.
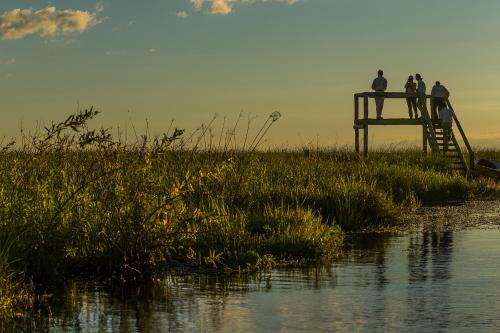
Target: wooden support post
{"points": [[365, 127], [356, 124], [424, 139]]}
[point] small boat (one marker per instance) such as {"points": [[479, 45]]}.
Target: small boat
{"points": [[488, 168]]}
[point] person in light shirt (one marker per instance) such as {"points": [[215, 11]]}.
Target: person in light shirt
{"points": [[379, 85], [421, 88], [446, 118], [439, 95]]}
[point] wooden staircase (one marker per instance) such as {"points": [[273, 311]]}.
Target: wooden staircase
{"points": [[454, 153], [435, 138]]}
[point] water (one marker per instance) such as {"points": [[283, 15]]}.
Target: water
{"points": [[421, 282]]}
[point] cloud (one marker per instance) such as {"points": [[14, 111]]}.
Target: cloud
{"points": [[99, 7], [19, 23], [182, 14], [11, 61], [224, 7], [197, 4]]}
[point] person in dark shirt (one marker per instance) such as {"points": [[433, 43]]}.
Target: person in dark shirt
{"points": [[439, 95], [421, 89], [379, 85]]}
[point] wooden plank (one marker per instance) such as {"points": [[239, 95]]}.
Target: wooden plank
{"points": [[460, 153], [391, 121], [356, 120], [388, 94], [431, 134], [365, 127], [424, 139]]}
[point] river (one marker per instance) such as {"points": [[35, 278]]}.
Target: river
{"points": [[416, 282]]}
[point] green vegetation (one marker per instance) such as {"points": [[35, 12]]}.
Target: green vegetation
{"points": [[16, 294], [75, 201]]}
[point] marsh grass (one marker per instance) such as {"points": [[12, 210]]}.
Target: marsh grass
{"points": [[16, 291], [76, 201]]}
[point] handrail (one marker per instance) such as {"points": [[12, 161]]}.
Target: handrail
{"points": [[464, 137], [429, 127], [459, 151], [387, 94]]}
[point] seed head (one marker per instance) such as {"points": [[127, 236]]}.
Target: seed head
{"points": [[275, 116]]}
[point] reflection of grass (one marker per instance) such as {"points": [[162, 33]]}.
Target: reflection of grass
{"points": [[15, 293], [78, 201]]}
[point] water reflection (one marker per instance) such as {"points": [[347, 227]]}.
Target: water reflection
{"points": [[429, 256], [420, 282]]}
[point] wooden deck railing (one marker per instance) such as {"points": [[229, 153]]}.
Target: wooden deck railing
{"points": [[464, 137]]}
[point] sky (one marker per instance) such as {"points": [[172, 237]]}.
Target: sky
{"points": [[144, 65]]}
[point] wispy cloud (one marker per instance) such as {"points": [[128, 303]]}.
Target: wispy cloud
{"points": [[197, 4], [182, 14], [99, 7], [224, 7], [19, 23], [11, 61]]}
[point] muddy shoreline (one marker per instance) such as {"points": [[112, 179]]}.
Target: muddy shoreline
{"points": [[455, 217]]}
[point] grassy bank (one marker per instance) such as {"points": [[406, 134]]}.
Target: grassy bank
{"points": [[76, 201]]}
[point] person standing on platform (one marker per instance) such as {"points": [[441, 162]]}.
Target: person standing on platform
{"points": [[411, 88], [439, 95], [421, 88], [380, 86]]}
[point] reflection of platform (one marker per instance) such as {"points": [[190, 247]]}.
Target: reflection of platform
{"points": [[390, 121]]}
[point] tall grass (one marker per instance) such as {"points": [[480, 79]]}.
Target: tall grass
{"points": [[77, 201], [16, 292]]}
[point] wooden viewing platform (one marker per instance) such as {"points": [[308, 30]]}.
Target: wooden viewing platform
{"points": [[432, 133]]}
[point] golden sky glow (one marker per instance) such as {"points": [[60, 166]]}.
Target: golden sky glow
{"points": [[189, 60]]}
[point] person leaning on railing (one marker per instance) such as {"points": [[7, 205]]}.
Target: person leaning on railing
{"points": [[379, 85]]}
